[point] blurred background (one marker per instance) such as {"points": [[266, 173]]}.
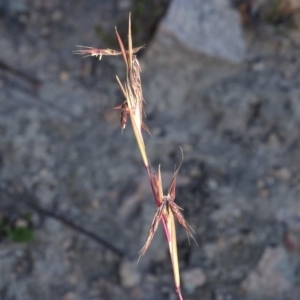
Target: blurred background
{"points": [[220, 79]]}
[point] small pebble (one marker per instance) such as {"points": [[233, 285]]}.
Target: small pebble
{"points": [[57, 16], [283, 174], [45, 31], [64, 76], [258, 67], [70, 296], [130, 277], [193, 278]]}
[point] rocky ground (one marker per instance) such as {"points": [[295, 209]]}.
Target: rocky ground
{"points": [[71, 176]]}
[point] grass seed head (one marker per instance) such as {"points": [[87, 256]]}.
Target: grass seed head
{"points": [[91, 51], [167, 209]]}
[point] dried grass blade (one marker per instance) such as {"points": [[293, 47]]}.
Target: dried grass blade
{"points": [[137, 49], [122, 48], [121, 86], [155, 185], [171, 191], [176, 211], [160, 189], [95, 51], [129, 42], [145, 127], [91, 51], [157, 217]]}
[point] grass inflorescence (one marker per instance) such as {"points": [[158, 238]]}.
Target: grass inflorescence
{"points": [[167, 209]]}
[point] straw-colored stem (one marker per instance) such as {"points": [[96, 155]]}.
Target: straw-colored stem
{"points": [[173, 249], [139, 140]]}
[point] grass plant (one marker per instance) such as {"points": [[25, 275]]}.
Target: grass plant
{"points": [[167, 209]]}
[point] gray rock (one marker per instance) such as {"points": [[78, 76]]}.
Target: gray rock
{"points": [[14, 7], [274, 275], [209, 26]]}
